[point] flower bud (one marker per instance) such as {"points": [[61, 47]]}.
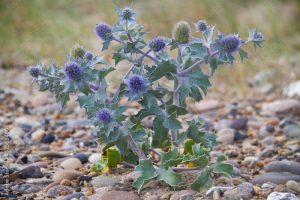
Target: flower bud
{"points": [[77, 51], [73, 71], [104, 115], [103, 30], [157, 44], [34, 71], [136, 84], [201, 25], [182, 32], [231, 43], [88, 55], [127, 13]]}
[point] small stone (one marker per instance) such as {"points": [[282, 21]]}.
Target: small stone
{"points": [[281, 196], [65, 182], [183, 195], [30, 171], [58, 176], [26, 188], [245, 191], [49, 138], [283, 166], [205, 106], [222, 124], [293, 186], [16, 132], [239, 123], [117, 195], [71, 163], [95, 157], [78, 123], [292, 131], [20, 121], [37, 135], [59, 190], [282, 107], [88, 193], [225, 136], [267, 186], [292, 90], [82, 157], [104, 181], [73, 196], [274, 177]]}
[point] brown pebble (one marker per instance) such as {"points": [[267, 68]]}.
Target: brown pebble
{"points": [[65, 182], [88, 193]]}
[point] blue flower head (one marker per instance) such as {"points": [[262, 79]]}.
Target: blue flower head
{"points": [[104, 115], [157, 44], [201, 25], [231, 43], [136, 85], [73, 71], [127, 14], [103, 30], [34, 71]]}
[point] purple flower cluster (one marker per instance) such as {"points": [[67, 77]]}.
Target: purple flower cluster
{"points": [[157, 44], [34, 71], [73, 71], [201, 25], [231, 43], [136, 84], [103, 30], [104, 115]]}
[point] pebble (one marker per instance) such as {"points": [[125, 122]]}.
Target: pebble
{"points": [[292, 90], [292, 131], [104, 181], [222, 124], [73, 196], [65, 174], [65, 182], [283, 166], [274, 177], [205, 106], [281, 107], [49, 138], [16, 132], [51, 154], [239, 123], [26, 188], [78, 123], [95, 157], [245, 190], [293, 186], [117, 195], [82, 157], [183, 195], [27, 121], [71, 163], [282, 196], [37, 135], [31, 171], [225, 136], [59, 190]]}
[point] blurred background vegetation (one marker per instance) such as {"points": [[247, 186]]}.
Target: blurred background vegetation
{"points": [[35, 30]]}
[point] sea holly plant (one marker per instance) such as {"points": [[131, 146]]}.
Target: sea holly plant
{"points": [[165, 148]]}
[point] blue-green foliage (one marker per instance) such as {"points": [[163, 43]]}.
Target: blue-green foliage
{"points": [[126, 138]]}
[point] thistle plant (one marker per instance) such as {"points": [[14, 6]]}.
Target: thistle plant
{"points": [[160, 151]]}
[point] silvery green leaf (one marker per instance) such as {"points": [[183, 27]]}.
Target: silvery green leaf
{"points": [[169, 176]]}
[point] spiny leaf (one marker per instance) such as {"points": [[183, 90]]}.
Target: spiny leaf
{"points": [[169, 176], [147, 171]]}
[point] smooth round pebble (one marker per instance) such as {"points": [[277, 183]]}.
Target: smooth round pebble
{"points": [[95, 157], [82, 157], [49, 138], [71, 163]]}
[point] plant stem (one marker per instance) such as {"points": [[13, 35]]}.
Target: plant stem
{"points": [[143, 56], [128, 164], [184, 72], [184, 168], [128, 35], [135, 148], [138, 50]]}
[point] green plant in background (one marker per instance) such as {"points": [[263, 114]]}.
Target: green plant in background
{"points": [[165, 148]]}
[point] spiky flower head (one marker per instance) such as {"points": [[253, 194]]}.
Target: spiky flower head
{"points": [[136, 83], [259, 36], [88, 55], [157, 44], [231, 43], [127, 14], [182, 32], [34, 71], [104, 115], [103, 30], [201, 25], [77, 51], [73, 71]]}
